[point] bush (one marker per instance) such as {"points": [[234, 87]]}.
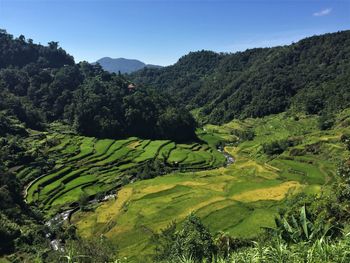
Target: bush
{"points": [[244, 135], [83, 201], [279, 146], [275, 147], [226, 244], [9, 231], [345, 138], [192, 240], [326, 121]]}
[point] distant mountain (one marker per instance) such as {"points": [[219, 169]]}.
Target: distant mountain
{"points": [[123, 65]]}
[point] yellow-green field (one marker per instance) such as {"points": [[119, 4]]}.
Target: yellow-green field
{"points": [[86, 166], [223, 198], [239, 199]]}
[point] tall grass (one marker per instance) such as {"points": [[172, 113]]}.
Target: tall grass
{"points": [[321, 250]]}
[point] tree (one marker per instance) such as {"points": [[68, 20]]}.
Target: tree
{"points": [[326, 121], [53, 45], [83, 201], [192, 240]]}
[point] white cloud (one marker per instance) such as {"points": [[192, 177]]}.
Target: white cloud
{"points": [[323, 12]]}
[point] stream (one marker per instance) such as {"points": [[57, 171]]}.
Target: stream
{"points": [[57, 219], [229, 157], [56, 244]]}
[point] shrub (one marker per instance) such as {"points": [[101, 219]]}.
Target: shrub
{"points": [[275, 147], [325, 121], [244, 135], [226, 244], [83, 201], [279, 146], [345, 138], [192, 240]]}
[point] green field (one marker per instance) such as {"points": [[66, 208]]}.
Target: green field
{"points": [[239, 199], [88, 166]]}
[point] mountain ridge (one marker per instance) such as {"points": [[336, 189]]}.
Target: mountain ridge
{"points": [[310, 76], [123, 65]]}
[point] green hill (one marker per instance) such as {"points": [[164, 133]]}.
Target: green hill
{"points": [[311, 75], [41, 84]]}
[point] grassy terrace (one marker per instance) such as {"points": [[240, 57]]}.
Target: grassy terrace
{"points": [[88, 166], [238, 199]]}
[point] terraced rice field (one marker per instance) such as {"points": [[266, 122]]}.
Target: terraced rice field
{"points": [[239, 199], [88, 166]]}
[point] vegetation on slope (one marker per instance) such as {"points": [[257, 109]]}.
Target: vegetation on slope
{"points": [[85, 166], [40, 84], [21, 226], [193, 243], [59, 170]]}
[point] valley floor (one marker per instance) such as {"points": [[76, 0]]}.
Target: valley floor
{"points": [[239, 199]]}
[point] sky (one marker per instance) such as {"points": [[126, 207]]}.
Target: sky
{"points": [[161, 31]]}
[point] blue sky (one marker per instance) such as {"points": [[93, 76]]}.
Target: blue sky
{"points": [[159, 32]]}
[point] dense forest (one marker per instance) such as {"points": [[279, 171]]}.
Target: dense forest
{"points": [[311, 75], [41, 84]]}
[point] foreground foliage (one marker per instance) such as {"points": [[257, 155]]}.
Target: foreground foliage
{"points": [[194, 240], [320, 250]]}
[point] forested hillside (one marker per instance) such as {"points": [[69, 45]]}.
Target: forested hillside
{"points": [[41, 84], [312, 75]]}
